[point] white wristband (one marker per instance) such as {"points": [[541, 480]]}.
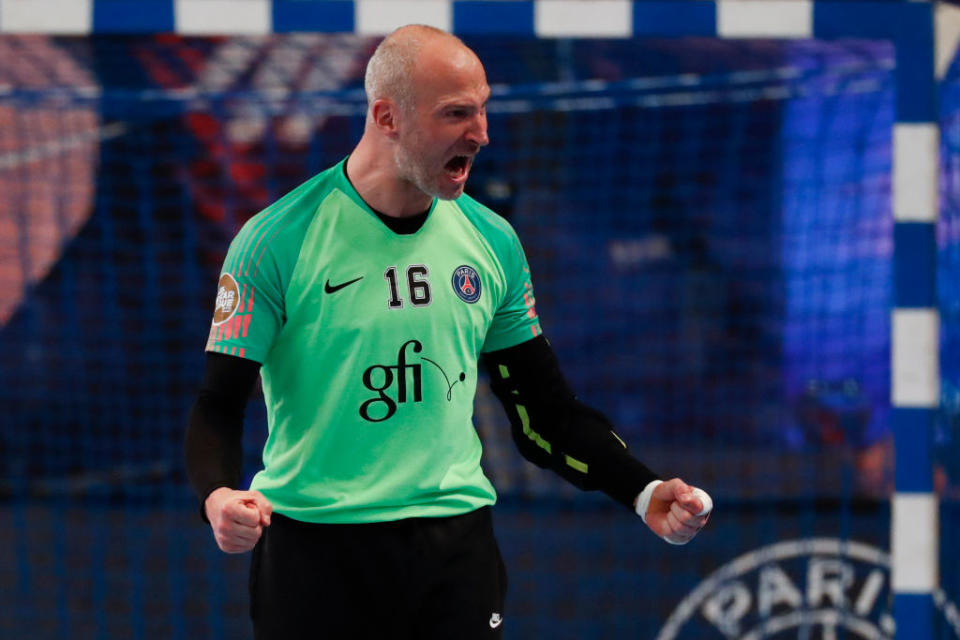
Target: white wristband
{"points": [[643, 500]]}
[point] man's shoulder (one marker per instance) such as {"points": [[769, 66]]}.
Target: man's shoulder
{"points": [[491, 225], [305, 198], [288, 216]]}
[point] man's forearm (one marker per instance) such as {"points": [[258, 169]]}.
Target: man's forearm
{"points": [[213, 450], [213, 446], [555, 430]]}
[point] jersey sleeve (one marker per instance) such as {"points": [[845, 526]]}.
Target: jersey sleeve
{"points": [[249, 308], [515, 319]]}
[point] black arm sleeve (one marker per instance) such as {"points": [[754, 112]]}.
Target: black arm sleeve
{"points": [[213, 448], [554, 430]]}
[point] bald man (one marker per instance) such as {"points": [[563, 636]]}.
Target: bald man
{"points": [[364, 299]]}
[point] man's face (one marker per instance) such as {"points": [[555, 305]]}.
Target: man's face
{"points": [[447, 126]]}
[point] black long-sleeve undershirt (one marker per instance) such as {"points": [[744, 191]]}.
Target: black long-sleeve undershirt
{"points": [[554, 430], [550, 426], [213, 446]]}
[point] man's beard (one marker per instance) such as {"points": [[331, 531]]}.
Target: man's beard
{"points": [[411, 168]]}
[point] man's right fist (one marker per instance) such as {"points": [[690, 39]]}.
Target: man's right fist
{"points": [[237, 518]]}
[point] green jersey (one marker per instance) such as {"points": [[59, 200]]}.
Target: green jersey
{"points": [[369, 343]]}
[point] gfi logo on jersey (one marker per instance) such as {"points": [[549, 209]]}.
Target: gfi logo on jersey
{"points": [[228, 299], [381, 377], [466, 283]]}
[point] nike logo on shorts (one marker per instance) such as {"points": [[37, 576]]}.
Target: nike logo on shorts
{"points": [[495, 620], [334, 288]]}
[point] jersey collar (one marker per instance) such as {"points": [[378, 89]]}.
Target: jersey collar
{"points": [[347, 187]]}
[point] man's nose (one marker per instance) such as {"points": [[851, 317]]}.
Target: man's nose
{"points": [[477, 134]]}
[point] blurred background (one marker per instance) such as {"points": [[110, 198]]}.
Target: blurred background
{"points": [[709, 227]]}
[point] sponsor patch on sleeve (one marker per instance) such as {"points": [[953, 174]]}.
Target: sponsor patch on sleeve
{"points": [[228, 299]]}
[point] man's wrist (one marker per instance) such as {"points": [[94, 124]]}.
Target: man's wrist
{"points": [[214, 493], [642, 503]]}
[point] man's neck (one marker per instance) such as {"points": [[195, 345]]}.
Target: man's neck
{"points": [[373, 175]]}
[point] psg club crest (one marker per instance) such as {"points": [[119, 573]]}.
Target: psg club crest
{"points": [[466, 283]]}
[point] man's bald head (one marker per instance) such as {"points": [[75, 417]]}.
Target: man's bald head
{"points": [[426, 118], [391, 69]]}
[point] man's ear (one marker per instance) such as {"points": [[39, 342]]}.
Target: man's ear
{"points": [[385, 117]]}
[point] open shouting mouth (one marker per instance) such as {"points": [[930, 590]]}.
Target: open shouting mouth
{"points": [[457, 168]]}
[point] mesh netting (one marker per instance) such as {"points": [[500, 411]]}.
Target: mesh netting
{"points": [[708, 225]]}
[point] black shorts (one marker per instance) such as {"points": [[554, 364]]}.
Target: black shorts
{"points": [[418, 578]]}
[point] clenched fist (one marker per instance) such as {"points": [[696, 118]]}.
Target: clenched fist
{"points": [[674, 510], [237, 518]]}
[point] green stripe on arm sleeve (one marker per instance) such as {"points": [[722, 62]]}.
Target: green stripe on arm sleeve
{"points": [[530, 433], [576, 464]]}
